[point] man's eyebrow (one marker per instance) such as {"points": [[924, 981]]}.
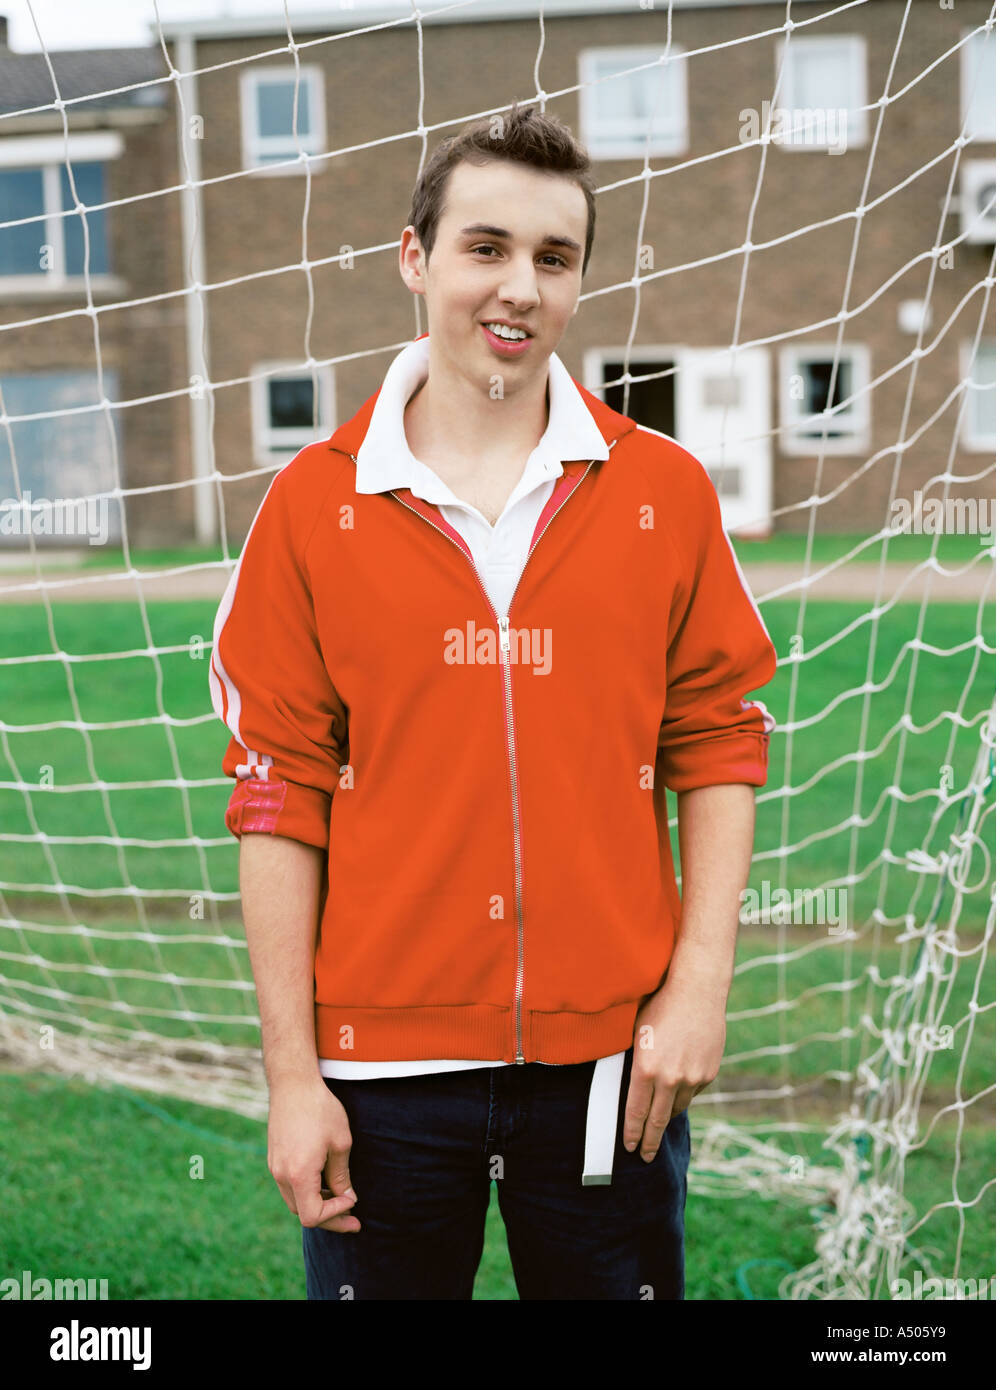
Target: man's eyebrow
{"points": [[485, 229]]}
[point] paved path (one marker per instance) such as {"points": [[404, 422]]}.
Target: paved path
{"points": [[854, 581], [861, 581]]}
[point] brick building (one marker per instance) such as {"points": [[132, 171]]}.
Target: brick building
{"points": [[59, 361], [301, 318]]}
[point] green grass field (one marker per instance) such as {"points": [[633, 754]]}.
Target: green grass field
{"points": [[96, 1182], [831, 715], [780, 548]]}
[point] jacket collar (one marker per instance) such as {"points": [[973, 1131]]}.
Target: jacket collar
{"points": [[580, 425]]}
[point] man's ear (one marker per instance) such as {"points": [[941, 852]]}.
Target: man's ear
{"points": [[414, 288]]}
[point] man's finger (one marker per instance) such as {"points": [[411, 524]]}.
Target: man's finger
{"points": [[336, 1171], [684, 1097], [313, 1207], [287, 1192], [336, 1220], [638, 1102], [336, 1190], [657, 1122]]}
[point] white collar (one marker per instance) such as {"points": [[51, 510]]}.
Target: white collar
{"points": [[384, 460]]}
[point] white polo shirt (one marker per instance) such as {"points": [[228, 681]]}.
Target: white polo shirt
{"points": [[385, 462]]}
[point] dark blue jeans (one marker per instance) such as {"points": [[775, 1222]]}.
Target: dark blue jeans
{"points": [[425, 1150]]}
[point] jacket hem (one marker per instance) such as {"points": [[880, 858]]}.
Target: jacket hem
{"points": [[734, 757], [276, 807], [471, 1032]]}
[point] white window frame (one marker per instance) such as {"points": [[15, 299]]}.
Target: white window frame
{"points": [[48, 154], [289, 147], [269, 444], [857, 440], [970, 437], [79, 459], [632, 146], [789, 100], [974, 40], [594, 359], [745, 509]]}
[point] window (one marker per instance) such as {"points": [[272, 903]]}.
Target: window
{"points": [[651, 402], [285, 417], [728, 481], [619, 112], [822, 91], [978, 87], [59, 456], [268, 129], [34, 184], [805, 382], [979, 418]]}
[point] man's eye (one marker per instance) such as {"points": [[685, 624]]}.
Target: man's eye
{"points": [[550, 255]]}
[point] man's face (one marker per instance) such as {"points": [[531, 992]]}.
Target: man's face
{"points": [[527, 276]]}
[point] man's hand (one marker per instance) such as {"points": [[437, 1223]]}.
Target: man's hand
{"points": [[309, 1144], [678, 1042], [680, 1029]]}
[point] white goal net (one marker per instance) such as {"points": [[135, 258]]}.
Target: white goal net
{"points": [[858, 1085]]}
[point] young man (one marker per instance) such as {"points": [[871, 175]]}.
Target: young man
{"points": [[469, 640]]}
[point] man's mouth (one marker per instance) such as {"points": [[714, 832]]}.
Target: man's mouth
{"points": [[512, 345]]}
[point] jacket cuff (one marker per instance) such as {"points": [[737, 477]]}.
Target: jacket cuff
{"points": [[280, 808], [739, 757]]}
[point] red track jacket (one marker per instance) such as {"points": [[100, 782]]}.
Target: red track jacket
{"points": [[490, 787]]}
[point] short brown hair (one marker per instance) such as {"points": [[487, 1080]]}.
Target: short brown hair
{"points": [[529, 137]]}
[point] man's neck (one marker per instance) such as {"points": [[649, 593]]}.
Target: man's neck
{"points": [[449, 420]]}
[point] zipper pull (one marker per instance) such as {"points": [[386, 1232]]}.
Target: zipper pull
{"points": [[503, 634]]}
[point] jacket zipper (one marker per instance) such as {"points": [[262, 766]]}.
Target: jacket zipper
{"points": [[505, 646]]}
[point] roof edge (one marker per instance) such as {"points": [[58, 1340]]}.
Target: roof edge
{"points": [[342, 20]]}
